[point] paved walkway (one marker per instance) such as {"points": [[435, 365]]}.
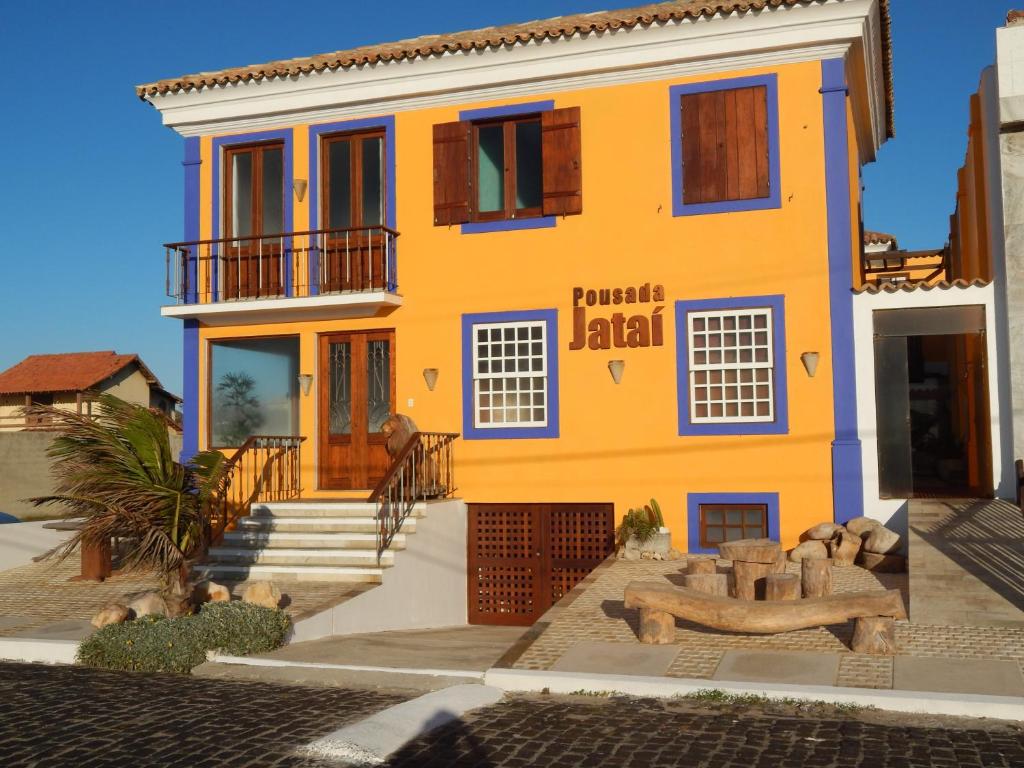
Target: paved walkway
{"points": [[69, 716], [967, 563]]}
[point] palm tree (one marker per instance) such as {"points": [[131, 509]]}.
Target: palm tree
{"points": [[116, 472]]}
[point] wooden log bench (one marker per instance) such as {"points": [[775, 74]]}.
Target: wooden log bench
{"points": [[762, 617]]}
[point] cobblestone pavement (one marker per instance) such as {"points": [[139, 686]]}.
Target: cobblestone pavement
{"points": [[597, 613], [52, 717]]}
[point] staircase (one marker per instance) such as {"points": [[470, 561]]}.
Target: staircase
{"points": [[332, 541]]}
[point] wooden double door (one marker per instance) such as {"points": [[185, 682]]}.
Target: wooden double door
{"points": [[524, 557], [357, 395]]}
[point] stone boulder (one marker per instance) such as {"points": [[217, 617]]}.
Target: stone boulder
{"points": [[843, 548], [822, 532], [881, 541], [115, 613], [882, 563], [148, 604], [262, 593], [858, 526], [810, 549], [211, 592]]}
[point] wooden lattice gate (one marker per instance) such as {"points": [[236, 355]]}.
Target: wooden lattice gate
{"points": [[524, 557]]}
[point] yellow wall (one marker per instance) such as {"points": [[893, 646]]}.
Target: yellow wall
{"points": [[970, 236], [618, 443]]}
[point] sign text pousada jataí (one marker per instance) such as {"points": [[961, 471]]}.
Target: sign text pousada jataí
{"points": [[639, 330]]}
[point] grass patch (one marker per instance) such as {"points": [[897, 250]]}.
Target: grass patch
{"points": [[719, 697], [158, 644]]}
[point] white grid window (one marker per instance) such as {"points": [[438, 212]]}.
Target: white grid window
{"points": [[732, 359], [510, 374]]}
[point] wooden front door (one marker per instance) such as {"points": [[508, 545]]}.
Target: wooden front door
{"points": [[252, 266], [523, 558], [357, 394], [353, 194]]}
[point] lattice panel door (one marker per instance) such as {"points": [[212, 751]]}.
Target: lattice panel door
{"points": [[504, 564], [524, 557]]}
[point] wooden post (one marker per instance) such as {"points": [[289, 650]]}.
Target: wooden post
{"points": [[96, 561], [874, 634], [78, 403], [844, 548], [698, 565], [657, 627], [816, 577], [712, 583], [750, 578], [782, 586]]}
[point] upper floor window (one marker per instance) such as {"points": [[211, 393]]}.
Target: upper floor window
{"points": [[507, 167], [254, 190], [353, 180], [725, 145]]}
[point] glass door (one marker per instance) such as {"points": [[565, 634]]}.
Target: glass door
{"points": [[251, 265]]}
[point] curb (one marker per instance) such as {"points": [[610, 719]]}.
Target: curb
{"points": [[256, 661], [917, 702], [38, 651]]}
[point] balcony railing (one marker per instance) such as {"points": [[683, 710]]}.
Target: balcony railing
{"points": [[286, 264]]}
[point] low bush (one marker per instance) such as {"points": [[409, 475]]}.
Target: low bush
{"points": [[157, 644]]}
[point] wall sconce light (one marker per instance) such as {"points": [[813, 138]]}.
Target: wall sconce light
{"points": [[300, 188], [430, 376], [616, 368], [306, 382], [810, 361]]}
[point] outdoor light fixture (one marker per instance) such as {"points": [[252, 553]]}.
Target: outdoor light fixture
{"points": [[306, 382], [810, 361], [430, 376], [616, 367], [300, 189]]}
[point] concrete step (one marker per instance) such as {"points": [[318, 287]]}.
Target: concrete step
{"points": [[317, 525], [299, 540], [296, 509], [339, 573], [282, 556]]}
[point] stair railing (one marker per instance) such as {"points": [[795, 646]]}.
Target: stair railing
{"points": [[422, 470], [265, 468]]}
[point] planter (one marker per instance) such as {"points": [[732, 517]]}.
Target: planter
{"points": [[660, 543]]}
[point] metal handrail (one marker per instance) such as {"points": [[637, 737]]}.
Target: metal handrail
{"points": [[422, 470], [279, 235]]}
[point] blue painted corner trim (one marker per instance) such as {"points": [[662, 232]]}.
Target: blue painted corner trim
{"points": [[847, 462], [774, 199], [469, 429], [507, 225], [693, 501], [192, 163], [316, 132], [190, 391], [780, 426], [219, 144]]}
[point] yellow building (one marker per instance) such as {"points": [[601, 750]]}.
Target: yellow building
{"points": [[615, 252]]}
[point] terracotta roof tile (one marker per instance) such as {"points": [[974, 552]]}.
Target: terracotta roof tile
{"points": [[876, 238], [919, 285], [511, 34], [67, 372]]}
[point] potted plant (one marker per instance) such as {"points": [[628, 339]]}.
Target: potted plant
{"points": [[643, 530]]}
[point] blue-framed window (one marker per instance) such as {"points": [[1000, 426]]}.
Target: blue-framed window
{"points": [[731, 366], [488, 148], [733, 119], [510, 375], [729, 516]]}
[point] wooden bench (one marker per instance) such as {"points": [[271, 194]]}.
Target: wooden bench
{"points": [[96, 558]]}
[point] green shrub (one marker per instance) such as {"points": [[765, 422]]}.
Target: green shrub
{"points": [[156, 644]]}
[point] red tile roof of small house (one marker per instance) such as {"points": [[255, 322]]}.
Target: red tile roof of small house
{"points": [[71, 372], [876, 238], [507, 35]]}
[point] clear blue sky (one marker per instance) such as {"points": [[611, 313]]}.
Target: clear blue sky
{"points": [[92, 183]]}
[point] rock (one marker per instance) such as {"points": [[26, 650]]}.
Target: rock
{"points": [[630, 554], [150, 603], [212, 592], [881, 541], [810, 549], [844, 548], [262, 593], [858, 526], [822, 531], [674, 554], [115, 613], [646, 555], [882, 563], [658, 556]]}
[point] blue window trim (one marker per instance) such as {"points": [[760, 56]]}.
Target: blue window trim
{"points": [[219, 145], [316, 132], [469, 429], [774, 199], [781, 424], [693, 501], [507, 225]]}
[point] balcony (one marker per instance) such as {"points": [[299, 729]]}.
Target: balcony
{"points": [[315, 275]]}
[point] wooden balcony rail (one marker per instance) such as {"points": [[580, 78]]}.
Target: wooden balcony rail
{"points": [[264, 469], [352, 260], [422, 470]]}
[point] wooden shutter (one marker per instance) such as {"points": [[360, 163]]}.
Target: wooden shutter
{"points": [[452, 188], [562, 163], [725, 145]]}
